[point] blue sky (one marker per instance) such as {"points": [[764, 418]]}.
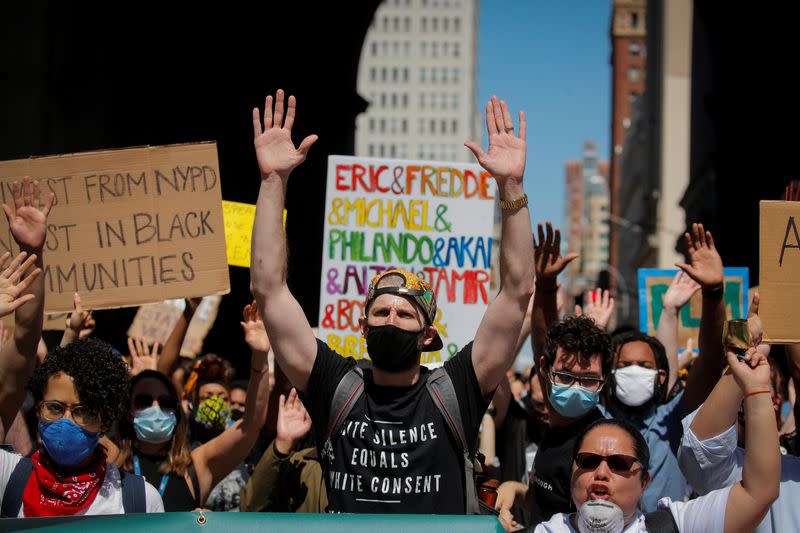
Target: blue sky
{"points": [[549, 58]]}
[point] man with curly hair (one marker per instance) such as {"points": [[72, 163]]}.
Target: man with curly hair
{"points": [[573, 371]]}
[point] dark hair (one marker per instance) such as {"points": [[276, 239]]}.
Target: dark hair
{"points": [[179, 457], [659, 354], [581, 336], [100, 377], [640, 449]]}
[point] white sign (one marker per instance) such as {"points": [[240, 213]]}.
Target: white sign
{"points": [[434, 219]]}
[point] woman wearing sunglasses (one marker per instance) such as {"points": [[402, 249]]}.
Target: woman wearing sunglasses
{"points": [[609, 473], [154, 441]]}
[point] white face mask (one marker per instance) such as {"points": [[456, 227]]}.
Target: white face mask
{"points": [[635, 384], [600, 516]]}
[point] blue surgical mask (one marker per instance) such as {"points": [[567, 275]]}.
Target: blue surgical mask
{"points": [[572, 401], [154, 425], [66, 442]]}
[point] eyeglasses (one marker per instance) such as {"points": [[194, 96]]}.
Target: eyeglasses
{"points": [[618, 463], [52, 410], [144, 400], [567, 378]]}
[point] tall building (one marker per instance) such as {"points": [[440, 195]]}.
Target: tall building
{"points": [[628, 61], [655, 160], [587, 223], [418, 71]]}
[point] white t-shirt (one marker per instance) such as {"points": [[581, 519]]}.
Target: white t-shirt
{"points": [[705, 514], [108, 499]]}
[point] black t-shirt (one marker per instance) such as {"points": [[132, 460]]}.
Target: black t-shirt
{"points": [[394, 453], [176, 495], [549, 483]]}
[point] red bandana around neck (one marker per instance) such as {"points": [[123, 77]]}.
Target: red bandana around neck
{"points": [[49, 494]]}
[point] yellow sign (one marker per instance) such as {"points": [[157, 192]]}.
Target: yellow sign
{"points": [[239, 219]]}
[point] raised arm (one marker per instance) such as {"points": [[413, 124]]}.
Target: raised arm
{"points": [[599, 306], [705, 269], [494, 347], [172, 347], [749, 500], [218, 457], [678, 294], [549, 264], [28, 225], [293, 341]]}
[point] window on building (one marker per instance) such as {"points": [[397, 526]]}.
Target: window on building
{"points": [[453, 126], [446, 24], [456, 75], [392, 151], [371, 150], [372, 74], [435, 49], [422, 100], [405, 100], [633, 101], [634, 74], [406, 47], [373, 49], [423, 74], [404, 126], [385, 23], [407, 24], [383, 99], [432, 126], [433, 74], [383, 74], [634, 20], [445, 74], [395, 74], [456, 49], [634, 49], [423, 49], [383, 126], [396, 23], [394, 100], [443, 126], [457, 24], [395, 48], [421, 126], [381, 150], [372, 125], [424, 23], [435, 23]]}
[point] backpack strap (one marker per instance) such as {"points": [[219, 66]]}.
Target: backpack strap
{"points": [[195, 485], [440, 387], [12, 496], [348, 391], [134, 498], [660, 521]]}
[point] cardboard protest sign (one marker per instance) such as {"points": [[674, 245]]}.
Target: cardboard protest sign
{"points": [[779, 271], [654, 282], [434, 219], [155, 322], [239, 219], [129, 226]]}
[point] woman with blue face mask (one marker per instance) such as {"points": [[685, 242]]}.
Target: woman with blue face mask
{"points": [[80, 391]]}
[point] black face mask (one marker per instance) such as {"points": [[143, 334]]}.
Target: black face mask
{"points": [[393, 349], [236, 414]]}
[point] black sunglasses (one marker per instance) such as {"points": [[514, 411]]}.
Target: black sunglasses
{"points": [[618, 463], [144, 400]]}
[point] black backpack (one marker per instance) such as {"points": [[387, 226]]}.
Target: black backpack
{"points": [[133, 493], [440, 387]]}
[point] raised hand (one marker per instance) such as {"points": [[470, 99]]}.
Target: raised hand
{"points": [[599, 306], [680, 291], [275, 150], [293, 422], [79, 319], [28, 221], [142, 357], [255, 335], [706, 267], [12, 282], [505, 158], [547, 254], [752, 372]]}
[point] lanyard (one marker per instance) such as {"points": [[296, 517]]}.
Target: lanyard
{"points": [[138, 471]]}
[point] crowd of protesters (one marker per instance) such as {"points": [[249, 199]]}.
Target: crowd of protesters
{"points": [[609, 430]]}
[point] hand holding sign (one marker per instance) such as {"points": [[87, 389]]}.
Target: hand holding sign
{"points": [[28, 221], [12, 283], [547, 255], [275, 150], [505, 158], [752, 373], [706, 267]]}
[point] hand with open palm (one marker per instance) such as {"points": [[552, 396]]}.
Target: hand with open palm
{"points": [[293, 422], [14, 281], [547, 254], [706, 264], [28, 220], [275, 150], [505, 158]]}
